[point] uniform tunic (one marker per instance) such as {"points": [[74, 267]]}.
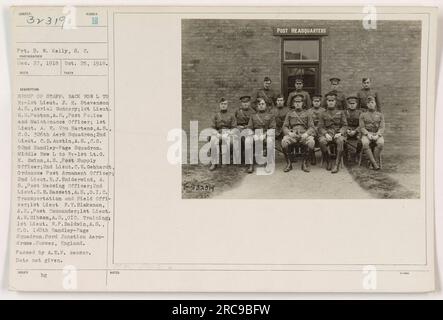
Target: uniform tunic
{"points": [[298, 121], [315, 114], [363, 95], [372, 122], [262, 120], [242, 116], [268, 95], [353, 118], [280, 116], [223, 120], [332, 122], [306, 99]]}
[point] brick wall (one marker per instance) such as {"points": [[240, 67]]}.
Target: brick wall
{"points": [[228, 58]]}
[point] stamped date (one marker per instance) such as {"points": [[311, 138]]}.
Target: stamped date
{"points": [[198, 187]]}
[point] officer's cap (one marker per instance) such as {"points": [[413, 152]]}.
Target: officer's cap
{"points": [[267, 79], [335, 79], [245, 98], [298, 97], [331, 95], [317, 96], [351, 97]]}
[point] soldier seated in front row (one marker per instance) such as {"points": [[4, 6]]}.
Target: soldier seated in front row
{"points": [[243, 114], [298, 128], [315, 112], [264, 121], [372, 126], [279, 112], [223, 121], [353, 119], [332, 127]]}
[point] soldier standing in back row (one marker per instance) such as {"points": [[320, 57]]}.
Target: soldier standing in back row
{"points": [[299, 91], [341, 98], [265, 93], [364, 93]]}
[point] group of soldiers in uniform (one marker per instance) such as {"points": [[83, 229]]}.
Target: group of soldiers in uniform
{"points": [[329, 122]]}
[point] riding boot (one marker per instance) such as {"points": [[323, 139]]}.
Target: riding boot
{"points": [[212, 167], [337, 162], [371, 158], [327, 158], [377, 153], [313, 158], [305, 162], [288, 163], [357, 153], [250, 168]]}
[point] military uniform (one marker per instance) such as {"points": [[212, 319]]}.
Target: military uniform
{"points": [[363, 95], [315, 115], [279, 114], [298, 122], [261, 120], [372, 126], [353, 132], [298, 127], [353, 119], [223, 120], [340, 101], [268, 95], [332, 122], [242, 117], [306, 98]]}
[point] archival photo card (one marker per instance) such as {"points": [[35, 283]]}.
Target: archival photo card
{"points": [[223, 149]]}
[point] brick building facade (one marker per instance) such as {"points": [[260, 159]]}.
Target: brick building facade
{"points": [[229, 58]]}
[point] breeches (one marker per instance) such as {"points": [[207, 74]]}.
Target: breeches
{"points": [[288, 141], [366, 142], [339, 141]]}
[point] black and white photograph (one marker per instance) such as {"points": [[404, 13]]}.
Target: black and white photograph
{"points": [[301, 109]]}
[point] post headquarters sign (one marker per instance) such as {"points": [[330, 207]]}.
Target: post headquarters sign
{"points": [[303, 31]]}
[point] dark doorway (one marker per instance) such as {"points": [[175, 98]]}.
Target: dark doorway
{"points": [[309, 73]]}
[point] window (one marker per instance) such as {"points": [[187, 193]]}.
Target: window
{"points": [[301, 50]]}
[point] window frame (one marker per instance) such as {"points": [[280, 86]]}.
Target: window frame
{"points": [[317, 63], [317, 39]]}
